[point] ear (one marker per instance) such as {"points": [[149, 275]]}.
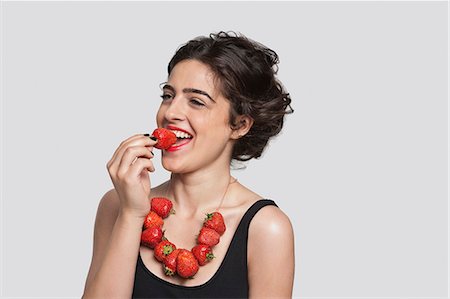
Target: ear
{"points": [[243, 125]]}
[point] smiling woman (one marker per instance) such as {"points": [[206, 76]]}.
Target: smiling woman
{"points": [[223, 102]]}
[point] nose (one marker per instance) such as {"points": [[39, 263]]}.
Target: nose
{"points": [[175, 110]]}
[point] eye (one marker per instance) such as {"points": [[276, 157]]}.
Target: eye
{"points": [[166, 96], [196, 102]]}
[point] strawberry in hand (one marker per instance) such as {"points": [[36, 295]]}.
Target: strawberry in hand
{"points": [[166, 138]]}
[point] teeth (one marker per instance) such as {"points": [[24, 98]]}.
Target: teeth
{"points": [[180, 134]]}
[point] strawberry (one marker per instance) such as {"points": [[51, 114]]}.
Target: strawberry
{"points": [[162, 206], [208, 236], [203, 254], [153, 219], [187, 265], [151, 236], [215, 221], [163, 249], [170, 263], [166, 138]]}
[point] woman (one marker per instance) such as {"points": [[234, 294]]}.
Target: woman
{"points": [[223, 98]]}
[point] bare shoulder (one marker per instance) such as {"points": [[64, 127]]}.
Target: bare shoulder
{"points": [[108, 207], [270, 246], [269, 221], [110, 200], [269, 224]]}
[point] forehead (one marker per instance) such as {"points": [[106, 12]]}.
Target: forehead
{"points": [[193, 74]]}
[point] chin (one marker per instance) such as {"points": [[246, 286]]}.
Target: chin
{"points": [[173, 165], [185, 164]]}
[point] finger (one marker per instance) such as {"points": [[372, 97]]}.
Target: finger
{"points": [[138, 166], [151, 137], [138, 139], [114, 162], [135, 140], [150, 148], [130, 155], [123, 143]]}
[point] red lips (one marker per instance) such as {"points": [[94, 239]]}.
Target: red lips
{"points": [[179, 145]]}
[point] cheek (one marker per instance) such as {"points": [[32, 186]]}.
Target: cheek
{"points": [[220, 118], [216, 126], [218, 131], [160, 116]]}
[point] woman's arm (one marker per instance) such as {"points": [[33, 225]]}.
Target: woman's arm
{"points": [[116, 247], [119, 220], [271, 254]]}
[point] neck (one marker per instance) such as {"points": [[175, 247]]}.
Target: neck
{"points": [[198, 192]]}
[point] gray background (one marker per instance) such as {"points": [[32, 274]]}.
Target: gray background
{"points": [[361, 167]]}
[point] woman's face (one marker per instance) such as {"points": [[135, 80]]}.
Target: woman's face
{"points": [[193, 107]]}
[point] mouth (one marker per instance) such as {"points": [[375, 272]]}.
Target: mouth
{"points": [[183, 138]]}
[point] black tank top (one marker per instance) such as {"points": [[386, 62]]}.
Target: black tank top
{"points": [[230, 280]]}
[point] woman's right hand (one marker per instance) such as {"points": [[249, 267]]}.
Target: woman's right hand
{"points": [[130, 175]]}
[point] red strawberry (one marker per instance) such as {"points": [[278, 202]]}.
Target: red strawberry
{"points": [[162, 206], [203, 254], [163, 249], [215, 221], [166, 138], [151, 236], [208, 236], [170, 263], [187, 265], [153, 219]]}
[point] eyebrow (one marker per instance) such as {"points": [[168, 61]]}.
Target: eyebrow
{"points": [[190, 90]]}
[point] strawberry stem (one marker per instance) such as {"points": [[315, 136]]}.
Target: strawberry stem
{"points": [[167, 249], [168, 272]]}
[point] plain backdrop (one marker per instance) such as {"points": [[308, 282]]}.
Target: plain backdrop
{"points": [[360, 168]]}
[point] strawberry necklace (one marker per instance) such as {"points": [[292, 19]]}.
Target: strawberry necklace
{"points": [[181, 261]]}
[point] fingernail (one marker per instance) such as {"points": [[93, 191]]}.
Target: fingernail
{"points": [[147, 135], [153, 138], [152, 153]]}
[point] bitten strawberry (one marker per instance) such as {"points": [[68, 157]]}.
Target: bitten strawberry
{"points": [[153, 219], [208, 236], [163, 249], [203, 254], [162, 206], [187, 265], [215, 221], [166, 138], [170, 263], [151, 236]]}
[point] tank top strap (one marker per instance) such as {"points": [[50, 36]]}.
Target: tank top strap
{"points": [[254, 208], [241, 235], [235, 260]]}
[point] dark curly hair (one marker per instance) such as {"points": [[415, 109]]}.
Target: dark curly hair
{"points": [[245, 71]]}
